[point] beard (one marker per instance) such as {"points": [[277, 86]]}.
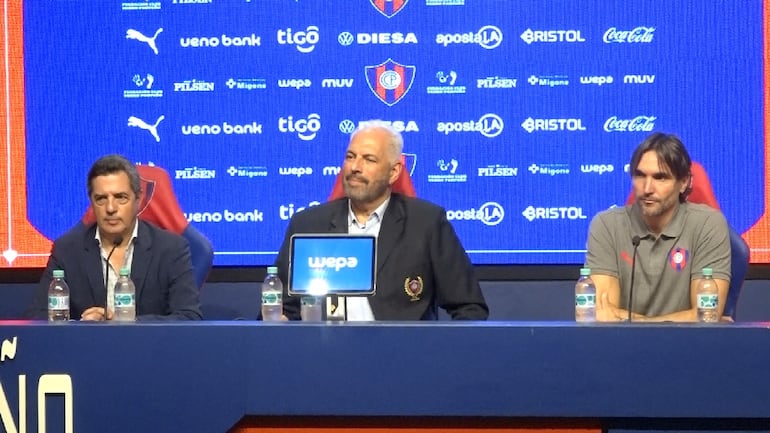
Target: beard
{"points": [[364, 190]]}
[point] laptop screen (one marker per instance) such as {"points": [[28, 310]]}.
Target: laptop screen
{"points": [[335, 264]]}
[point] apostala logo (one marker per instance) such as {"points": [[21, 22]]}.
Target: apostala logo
{"points": [[304, 41], [390, 81], [639, 35], [389, 7], [489, 125], [195, 173], [548, 80], [489, 213], [553, 213], [247, 171], [637, 124], [488, 37], [532, 125], [549, 36]]}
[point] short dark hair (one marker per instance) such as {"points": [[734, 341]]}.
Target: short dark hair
{"points": [[670, 152], [112, 164]]}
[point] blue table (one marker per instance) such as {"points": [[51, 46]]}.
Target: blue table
{"points": [[204, 377]]}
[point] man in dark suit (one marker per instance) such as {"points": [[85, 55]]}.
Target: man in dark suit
{"points": [[421, 264], [159, 260]]}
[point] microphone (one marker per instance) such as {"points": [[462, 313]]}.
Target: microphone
{"points": [[635, 240], [118, 240]]}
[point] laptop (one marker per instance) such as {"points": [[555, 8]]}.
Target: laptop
{"points": [[332, 264]]}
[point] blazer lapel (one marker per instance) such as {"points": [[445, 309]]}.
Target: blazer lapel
{"points": [[140, 263], [94, 267], [339, 219], [391, 229]]}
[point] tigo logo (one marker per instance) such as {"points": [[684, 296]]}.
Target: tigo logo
{"points": [[306, 129], [304, 40]]}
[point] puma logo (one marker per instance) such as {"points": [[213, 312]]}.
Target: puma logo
{"points": [[138, 36], [152, 129]]}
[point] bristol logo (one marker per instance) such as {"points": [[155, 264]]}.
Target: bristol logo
{"points": [[390, 81], [389, 7]]}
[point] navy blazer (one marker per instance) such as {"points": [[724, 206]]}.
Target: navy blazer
{"points": [[161, 270], [417, 250]]}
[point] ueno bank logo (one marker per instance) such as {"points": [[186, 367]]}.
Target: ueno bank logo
{"points": [[306, 129], [488, 37], [490, 213], [226, 41], [489, 125], [637, 124], [226, 216], [550, 36], [304, 41], [549, 125], [335, 263], [252, 128], [532, 213], [639, 35]]}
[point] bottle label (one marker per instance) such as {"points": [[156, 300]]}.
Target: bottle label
{"points": [[123, 300], [58, 302], [585, 300], [708, 301], [272, 298]]}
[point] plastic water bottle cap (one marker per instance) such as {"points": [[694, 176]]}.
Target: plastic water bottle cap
{"points": [[707, 272], [272, 269], [58, 273], [585, 272], [124, 272]]}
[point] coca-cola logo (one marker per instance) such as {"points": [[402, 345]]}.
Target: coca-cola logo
{"points": [[639, 35], [637, 124]]}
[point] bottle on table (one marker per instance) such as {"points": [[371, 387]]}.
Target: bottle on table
{"points": [[272, 296], [311, 308], [125, 298], [585, 297], [707, 297], [58, 298]]}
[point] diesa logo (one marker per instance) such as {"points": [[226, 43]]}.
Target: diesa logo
{"points": [[306, 129], [304, 41], [335, 263]]}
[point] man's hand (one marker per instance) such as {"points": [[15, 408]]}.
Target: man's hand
{"points": [[606, 311], [96, 314]]}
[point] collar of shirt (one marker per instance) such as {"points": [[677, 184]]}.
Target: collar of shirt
{"points": [[672, 230], [372, 224]]}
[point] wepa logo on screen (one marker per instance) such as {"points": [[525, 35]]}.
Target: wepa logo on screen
{"points": [[489, 37], [336, 263], [489, 125], [304, 41], [306, 129]]}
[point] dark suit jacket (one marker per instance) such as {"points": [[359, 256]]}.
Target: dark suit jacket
{"points": [[416, 243], [161, 271]]}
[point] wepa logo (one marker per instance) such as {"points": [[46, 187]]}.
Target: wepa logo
{"points": [[597, 79], [532, 213], [549, 36], [306, 129], [488, 37], [489, 125], [597, 168], [304, 41], [390, 81], [532, 125], [389, 7], [637, 124], [490, 213], [335, 263], [639, 35], [295, 171]]}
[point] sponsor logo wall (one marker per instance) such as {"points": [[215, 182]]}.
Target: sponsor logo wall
{"points": [[518, 117]]}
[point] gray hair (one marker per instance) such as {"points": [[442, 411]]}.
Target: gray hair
{"points": [[395, 140]]}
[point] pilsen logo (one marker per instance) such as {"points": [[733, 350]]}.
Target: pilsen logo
{"points": [[390, 81], [389, 7]]}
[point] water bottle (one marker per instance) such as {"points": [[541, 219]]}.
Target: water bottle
{"points": [[272, 296], [707, 297], [125, 298], [311, 308], [585, 297], [58, 298]]}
